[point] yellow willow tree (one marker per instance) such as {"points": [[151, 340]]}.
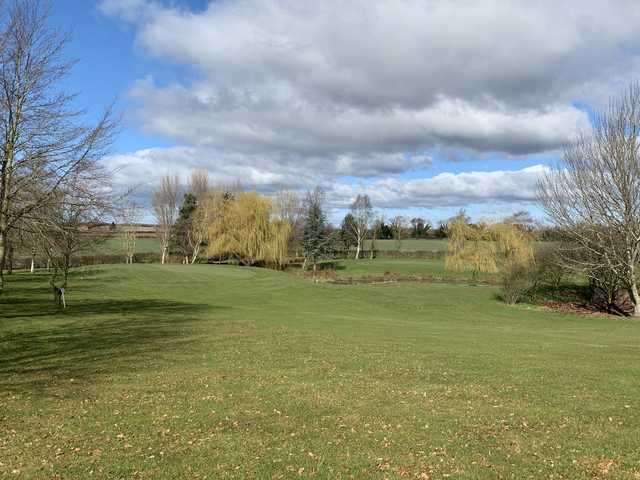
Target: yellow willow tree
{"points": [[470, 248], [488, 248], [246, 227]]}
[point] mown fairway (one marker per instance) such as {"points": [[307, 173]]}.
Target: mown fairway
{"points": [[163, 372]]}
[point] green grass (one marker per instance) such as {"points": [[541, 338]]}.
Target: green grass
{"points": [[113, 246], [169, 372], [409, 245], [424, 268]]}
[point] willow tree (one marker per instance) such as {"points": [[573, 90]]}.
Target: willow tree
{"points": [[244, 227], [487, 248], [470, 248]]}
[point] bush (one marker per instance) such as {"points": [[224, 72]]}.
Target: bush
{"points": [[517, 281], [549, 268]]}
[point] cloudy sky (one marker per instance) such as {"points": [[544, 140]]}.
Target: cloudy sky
{"points": [[426, 105]]}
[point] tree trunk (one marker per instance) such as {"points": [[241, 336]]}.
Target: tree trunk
{"points": [[636, 300], [164, 251], [358, 249], [9, 257], [33, 265], [3, 237], [196, 251]]}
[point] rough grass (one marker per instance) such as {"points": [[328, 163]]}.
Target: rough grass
{"points": [[164, 372], [420, 268]]}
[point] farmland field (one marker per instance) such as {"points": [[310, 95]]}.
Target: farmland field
{"points": [[165, 372]]}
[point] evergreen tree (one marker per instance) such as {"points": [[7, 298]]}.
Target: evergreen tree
{"points": [[317, 243], [182, 228]]}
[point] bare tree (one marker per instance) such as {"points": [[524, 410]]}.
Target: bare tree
{"points": [[62, 225], [43, 142], [291, 210], [128, 216], [164, 200], [362, 213], [594, 195], [397, 228], [199, 183]]}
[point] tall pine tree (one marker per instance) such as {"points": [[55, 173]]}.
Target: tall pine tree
{"points": [[317, 243], [182, 228]]}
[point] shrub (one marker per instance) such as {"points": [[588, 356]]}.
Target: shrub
{"points": [[517, 281]]}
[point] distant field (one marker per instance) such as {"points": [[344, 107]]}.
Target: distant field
{"points": [[113, 246], [409, 245]]}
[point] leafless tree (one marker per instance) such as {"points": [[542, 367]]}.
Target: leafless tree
{"points": [[199, 183], [128, 216], [291, 210], [398, 224], [44, 144], [62, 225], [165, 208], [594, 195], [362, 214]]}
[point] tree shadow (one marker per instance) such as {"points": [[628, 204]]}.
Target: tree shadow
{"points": [[88, 340]]}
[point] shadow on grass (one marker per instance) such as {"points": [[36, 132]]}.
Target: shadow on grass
{"points": [[88, 340]]}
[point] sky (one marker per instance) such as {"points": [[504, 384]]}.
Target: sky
{"points": [[427, 106]]}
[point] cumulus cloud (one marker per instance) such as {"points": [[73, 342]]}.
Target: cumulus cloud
{"points": [[302, 91], [442, 190], [449, 189]]}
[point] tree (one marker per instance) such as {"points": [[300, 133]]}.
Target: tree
{"points": [[129, 216], [199, 183], [362, 213], [347, 235], [43, 141], [443, 230], [593, 195], [378, 230], [417, 227], [164, 200], [62, 226], [316, 240], [245, 227], [488, 248], [521, 219], [182, 230], [397, 228], [290, 210], [470, 247]]}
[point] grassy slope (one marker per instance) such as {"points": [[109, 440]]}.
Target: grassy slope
{"points": [[221, 372]]}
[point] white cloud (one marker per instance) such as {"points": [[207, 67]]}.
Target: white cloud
{"points": [[448, 189], [296, 92]]}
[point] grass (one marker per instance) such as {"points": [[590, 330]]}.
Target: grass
{"points": [[409, 245], [113, 246], [165, 372], [424, 268]]}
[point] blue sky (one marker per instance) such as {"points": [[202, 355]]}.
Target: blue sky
{"points": [[426, 106]]}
